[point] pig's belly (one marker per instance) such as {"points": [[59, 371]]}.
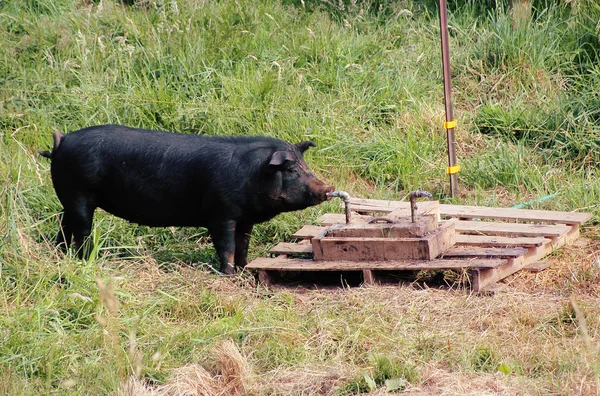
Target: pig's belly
{"points": [[144, 211]]}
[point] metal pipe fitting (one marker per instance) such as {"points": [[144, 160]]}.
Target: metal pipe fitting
{"points": [[413, 202], [346, 197]]}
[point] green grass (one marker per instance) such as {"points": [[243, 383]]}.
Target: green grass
{"points": [[363, 80]]}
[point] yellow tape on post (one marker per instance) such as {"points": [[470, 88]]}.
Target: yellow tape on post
{"points": [[453, 169], [450, 124]]}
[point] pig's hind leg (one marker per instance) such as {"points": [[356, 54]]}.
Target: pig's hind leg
{"points": [[81, 215], [65, 232]]}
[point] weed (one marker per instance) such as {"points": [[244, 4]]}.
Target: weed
{"points": [[393, 373]]}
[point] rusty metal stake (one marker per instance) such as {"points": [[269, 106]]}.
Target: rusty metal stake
{"points": [[452, 163], [346, 197], [413, 202]]}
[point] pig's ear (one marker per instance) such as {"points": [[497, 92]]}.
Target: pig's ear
{"points": [[280, 157], [303, 146]]}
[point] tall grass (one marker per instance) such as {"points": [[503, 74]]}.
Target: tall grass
{"points": [[363, 80]]}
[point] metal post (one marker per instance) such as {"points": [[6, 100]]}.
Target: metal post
{"points": [[452, 165]]}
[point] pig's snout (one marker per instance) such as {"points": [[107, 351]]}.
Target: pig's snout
{"points": [[322, 192], [316, 190], [328, 191]]}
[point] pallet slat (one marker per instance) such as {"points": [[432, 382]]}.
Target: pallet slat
{"points": [[485, 278], [480, 227], [298, 248], [486, 227], [292, 248], [291, 264], [499, 241], [519, 215], [537, 266], [336, 218], [363, 205], [480, 212], [309, 231], [484, 252]]}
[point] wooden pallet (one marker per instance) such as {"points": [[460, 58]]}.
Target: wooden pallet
{"points": [[491, 243]]}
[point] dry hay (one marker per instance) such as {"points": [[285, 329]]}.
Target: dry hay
{"points": [[442, 382], [144, 276], [446, 383], [227, 373], [136, 387], [233, 370], [303, 381], [191, 380]]}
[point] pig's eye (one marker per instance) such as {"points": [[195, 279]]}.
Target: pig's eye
{"points": [[291, 169]]}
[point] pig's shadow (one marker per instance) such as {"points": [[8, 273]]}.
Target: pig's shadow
{"points": [[169, 260]]}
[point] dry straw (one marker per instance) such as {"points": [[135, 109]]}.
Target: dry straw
{"points": [[227, 373]]}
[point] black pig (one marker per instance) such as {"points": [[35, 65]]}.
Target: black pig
{"points": [[154, 178]]}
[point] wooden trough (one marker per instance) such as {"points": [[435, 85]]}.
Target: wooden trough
{"points": [[490, 243]]}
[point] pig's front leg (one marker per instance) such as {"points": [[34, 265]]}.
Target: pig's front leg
{"points": [[223, 236], [242, 240]]}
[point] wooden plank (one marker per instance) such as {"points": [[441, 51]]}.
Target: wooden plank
{"points": [[264, 278], [368, 277], [488, 228], [376, 205], [359, 249], [567, 239], [404, 228], [493, 228], [537, 266], [400, 208], [536, 254], [481, 212], [505, 242], [374, 249], [499, 241], [309, 231], [423, 208], [538, 247], [483, 278], [291, 264], [336, 218], [521, 215], [292, 248], [484, 252]]}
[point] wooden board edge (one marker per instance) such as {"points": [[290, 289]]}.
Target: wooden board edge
{"points": [[309, 231], [484, 278], [537, 266], [292, 248], [283, 263], [385, 206]]}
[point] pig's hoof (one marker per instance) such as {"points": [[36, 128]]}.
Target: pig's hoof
{"points": [[227, 271]]}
